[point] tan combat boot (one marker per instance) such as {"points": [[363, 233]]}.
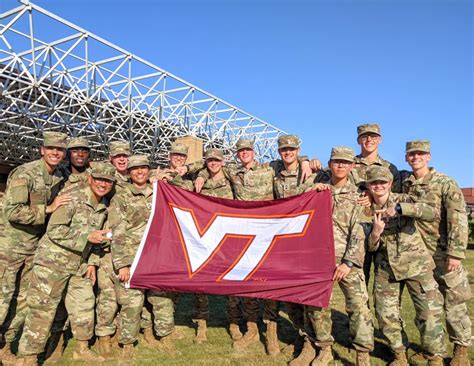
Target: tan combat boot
{"points": [[419, 358], [177, 334], [31, 360], [460, 356], [201, 335], [104, 347], [436, 361], [234, 332], [400, 358], [363, 359], [308, 353], [55, 347], [127, 356], [324, 358], [83, 353], [8, 358], [251, 336], [166, 345], [273, 349], [150, 339]]}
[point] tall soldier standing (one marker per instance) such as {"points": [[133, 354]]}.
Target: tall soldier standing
{"points": [[446, 239], [30, 196]]}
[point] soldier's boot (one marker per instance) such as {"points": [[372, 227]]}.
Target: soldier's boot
{"points": [[400, 358], [251, 336], [273, 349], [460, 356], [83, 353], [324, 357], [235, 332], [55, 347], [419, 359], [167, 345], [177, 334], [307, 355], [363, 359], [201, 332], [104, 347], [126, 358], [436, 361], [150, 339], [114, 340], [8, 358], [31, 360]]}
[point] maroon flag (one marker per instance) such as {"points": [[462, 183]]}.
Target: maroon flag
{"points": [[280, 250]]}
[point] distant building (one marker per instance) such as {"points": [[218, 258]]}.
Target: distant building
{"points": [[469, 198]]}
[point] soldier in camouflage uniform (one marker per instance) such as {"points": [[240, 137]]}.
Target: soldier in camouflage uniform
{"points": [[30, 196], [107, 306], [61, 265], [129, 212], [349, 241], [446, 239], [369, 138], [77, 171], [402, 257]]}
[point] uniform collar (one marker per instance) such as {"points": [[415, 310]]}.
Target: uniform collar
{"points": [[148, 191], [360, 159]]}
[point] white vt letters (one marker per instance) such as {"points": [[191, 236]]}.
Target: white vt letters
{"points": [[264, 230]]}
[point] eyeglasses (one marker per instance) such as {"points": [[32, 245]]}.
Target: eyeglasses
{"points": [[343, 163], [366, 136]]}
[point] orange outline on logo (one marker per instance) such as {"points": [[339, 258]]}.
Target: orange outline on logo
{"points": [[250, 237]]}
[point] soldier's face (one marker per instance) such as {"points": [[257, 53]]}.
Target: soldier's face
{"points": [[289, 154], [214, 165], [100, 187], [120, 163], [139, 175], [340, 168], [379, 188], [177, 160], [53, 155], [418, 159], [369, 142], [246, 155], [79, 157]]}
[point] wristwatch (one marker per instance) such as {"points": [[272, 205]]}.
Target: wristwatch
{"points": [[348, 263]]}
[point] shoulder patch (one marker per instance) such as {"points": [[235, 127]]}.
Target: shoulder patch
{"points": [[19, 182]]}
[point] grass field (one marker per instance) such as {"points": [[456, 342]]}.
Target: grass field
{"points": [[218, 349]]}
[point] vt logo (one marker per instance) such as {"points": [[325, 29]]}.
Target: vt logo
{"points": [[262, 232]]}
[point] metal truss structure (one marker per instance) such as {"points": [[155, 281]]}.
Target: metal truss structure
{"points": [[56, 76]]}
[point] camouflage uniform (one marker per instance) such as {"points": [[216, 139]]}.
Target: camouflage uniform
{"points": [[129, 212], [349, 242], [446, 235], [30, 189], [357, 176], [60, 263], [107, 305], [401, 257]]}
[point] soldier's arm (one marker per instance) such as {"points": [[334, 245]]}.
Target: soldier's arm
{"points": [[419, 210], [355, 250], [180, 182], [66, 233], [118, 225], [397, 184], [17, 207], [456, 217]]}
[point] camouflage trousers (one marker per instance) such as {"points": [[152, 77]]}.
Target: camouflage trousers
{"points": [[428, 304], [234, 314], [201, 307], [15, 271], [455, 288], [44, 295], [107, 305], [251, 309], [361, 325], [295, 313]]}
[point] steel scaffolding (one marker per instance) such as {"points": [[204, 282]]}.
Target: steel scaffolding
{"points": [[57, 76]]}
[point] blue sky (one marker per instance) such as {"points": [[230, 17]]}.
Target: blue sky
{"points": [[314, 68]]}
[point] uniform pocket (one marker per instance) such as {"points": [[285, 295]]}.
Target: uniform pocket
{"points": [[458, 290]]}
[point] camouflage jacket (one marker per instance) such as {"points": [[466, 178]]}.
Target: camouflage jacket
{"points": [[65, 247], [361, 165], [220, 188], [74, 179], [128, 217], [121, 181], [448, 233], [401, 247], [286, 183], [30, 188]]}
